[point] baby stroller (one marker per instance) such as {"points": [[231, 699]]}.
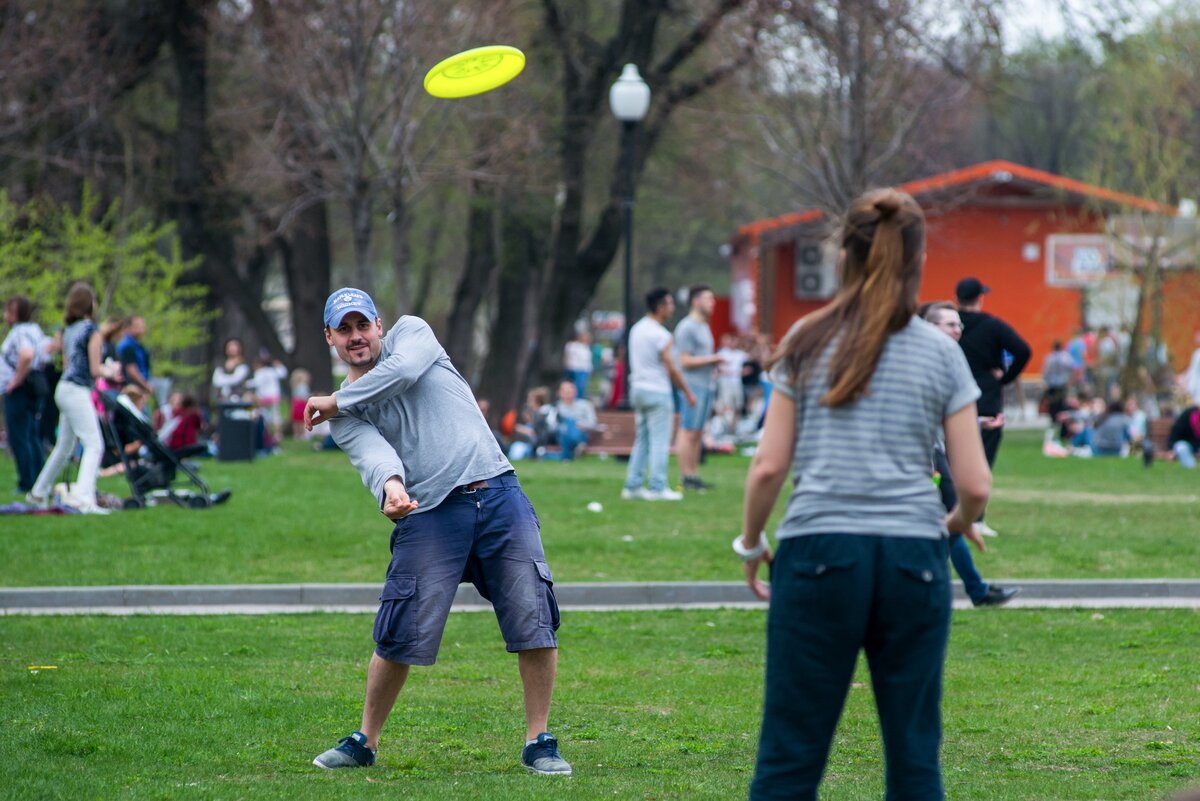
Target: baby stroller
{"points": [[152, 469]]}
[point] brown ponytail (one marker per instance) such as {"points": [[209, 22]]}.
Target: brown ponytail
{"points": [[883, 248]]}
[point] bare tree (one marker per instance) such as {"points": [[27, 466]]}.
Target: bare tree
{"points": [[856, 87], [682, 51], [1149, 111], [348, 76]]}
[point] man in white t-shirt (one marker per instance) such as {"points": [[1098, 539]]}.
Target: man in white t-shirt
{"points": [[652, 373]]}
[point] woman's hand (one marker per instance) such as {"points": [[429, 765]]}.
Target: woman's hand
{"points": [[956, 525], [760, 588]]}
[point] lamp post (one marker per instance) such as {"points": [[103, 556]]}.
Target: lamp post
{"points": [[629, 99]]}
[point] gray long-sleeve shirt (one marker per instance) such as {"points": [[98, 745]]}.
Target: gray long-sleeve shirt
{"points": [[414, 416]]}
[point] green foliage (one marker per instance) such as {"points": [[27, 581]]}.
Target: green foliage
{"points": [[134, 265]]}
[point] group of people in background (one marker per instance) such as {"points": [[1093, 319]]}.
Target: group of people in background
{"points": [[1083, 395], [718, 398], [54, 385], [1092, 414]]}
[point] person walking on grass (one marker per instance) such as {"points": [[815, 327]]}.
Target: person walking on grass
{"points": [[411, 426], [860, 389], [944, 317], [652, 374], [78, 421], [698, 361], [985, 339], [23, 386]]}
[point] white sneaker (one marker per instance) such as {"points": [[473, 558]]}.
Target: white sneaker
{"points": [[636, 494], [986, 530], [35, 501], [86, 507], [662, 495]]}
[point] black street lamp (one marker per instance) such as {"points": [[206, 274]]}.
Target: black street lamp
{"points": [[629, 99]]}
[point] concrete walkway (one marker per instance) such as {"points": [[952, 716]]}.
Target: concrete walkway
{"points": [[257, 599]]}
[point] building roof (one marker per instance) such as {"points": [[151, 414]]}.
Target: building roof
{"points": [[1019, 179]]}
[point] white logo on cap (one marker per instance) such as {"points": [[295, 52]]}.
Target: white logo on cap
{"points": [[347, 298]]}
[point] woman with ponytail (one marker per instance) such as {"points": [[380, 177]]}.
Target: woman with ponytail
{"points": [[861, 388]]}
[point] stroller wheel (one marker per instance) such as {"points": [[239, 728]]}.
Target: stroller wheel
{"points": [[132, 503], [198, 502]]}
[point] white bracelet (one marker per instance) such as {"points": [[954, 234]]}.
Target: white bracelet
{"points": [[746, 554]]}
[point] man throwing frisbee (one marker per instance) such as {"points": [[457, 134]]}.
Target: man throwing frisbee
{"points": [[410, 425]]}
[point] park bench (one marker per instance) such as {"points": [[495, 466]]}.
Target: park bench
{"points": [[615, 431]]}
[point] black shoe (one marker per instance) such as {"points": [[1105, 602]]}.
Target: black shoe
{"points": [[694, 483], [997, 596]]}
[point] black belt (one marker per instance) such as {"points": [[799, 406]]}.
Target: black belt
{"points": [[506, 479]]}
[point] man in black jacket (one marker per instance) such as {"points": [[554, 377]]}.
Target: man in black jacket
{"points": [[985, 340]]}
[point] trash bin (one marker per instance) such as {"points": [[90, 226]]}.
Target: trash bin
{"points": [[235, 431]]}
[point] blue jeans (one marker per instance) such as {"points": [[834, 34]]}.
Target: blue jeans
{"points": [[569, 438], [21, 419], [1084, 439], [960, 556], [580, 379], [1185, 454], [653, 413], [832, 596]]}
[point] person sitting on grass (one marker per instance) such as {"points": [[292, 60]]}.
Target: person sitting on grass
{"points": [[1110, 433], [1184, 438], [188, 425], [530, 431]]}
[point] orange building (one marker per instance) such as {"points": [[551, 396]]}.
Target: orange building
{"points": [[1021, 231]]}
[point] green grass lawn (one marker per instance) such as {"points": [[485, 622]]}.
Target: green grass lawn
{"points": [[305, 517], [1040, 705]]}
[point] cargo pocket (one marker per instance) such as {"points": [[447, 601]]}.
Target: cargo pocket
{"points": [[396, 621], [548, 617]]}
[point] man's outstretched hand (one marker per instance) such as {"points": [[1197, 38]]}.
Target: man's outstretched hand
{"points": [[318, 409]]}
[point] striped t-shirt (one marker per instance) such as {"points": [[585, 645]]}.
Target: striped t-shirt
{"points": [[863, 468]]}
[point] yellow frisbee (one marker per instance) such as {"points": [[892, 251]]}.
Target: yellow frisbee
{"points": [[475, 71]]}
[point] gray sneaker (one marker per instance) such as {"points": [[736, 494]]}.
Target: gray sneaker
{"points": [[350, 752], [542, 757]]}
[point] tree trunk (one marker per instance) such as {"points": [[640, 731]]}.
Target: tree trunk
{"points": [[515, 327], [473, 283], [307, 264], [193, 182], [428, 260], [401, 255], [360, 223]]}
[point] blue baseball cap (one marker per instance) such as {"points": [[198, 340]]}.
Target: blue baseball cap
{"points": [[346, 300]]}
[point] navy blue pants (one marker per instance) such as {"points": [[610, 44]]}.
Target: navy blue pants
{"points": [[489, 537], [21, 419], [833, 595]]}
